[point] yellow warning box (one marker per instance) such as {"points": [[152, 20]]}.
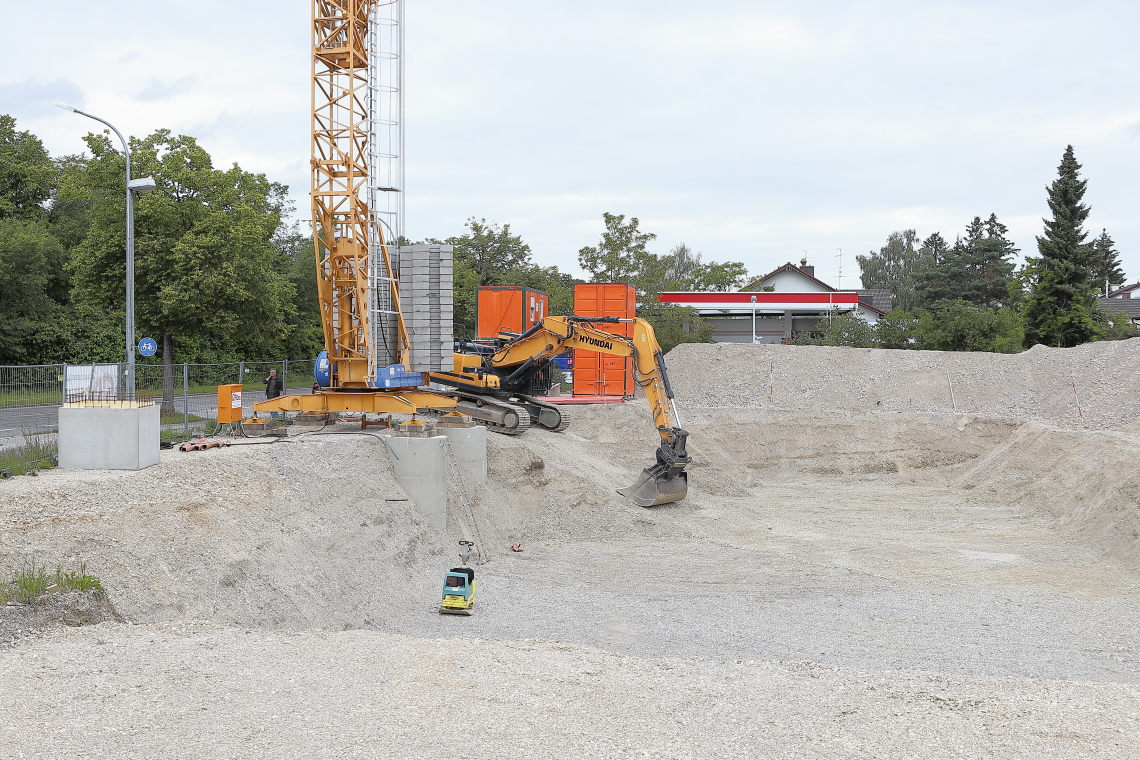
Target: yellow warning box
{"points": [[229, 403]]}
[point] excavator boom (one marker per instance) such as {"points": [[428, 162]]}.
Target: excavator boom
{"points": [[509, 368]]}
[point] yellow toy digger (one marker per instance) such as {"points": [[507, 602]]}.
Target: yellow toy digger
{"points": [[490, 378]]}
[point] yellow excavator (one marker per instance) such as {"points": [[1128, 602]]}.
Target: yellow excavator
{"points": [[488, 379]]}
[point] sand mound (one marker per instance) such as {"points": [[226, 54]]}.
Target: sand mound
{"points": [[1049, 430], [1088, 387], [291, 535]]}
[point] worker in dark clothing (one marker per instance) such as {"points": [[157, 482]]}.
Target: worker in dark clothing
{"points": [[273, 388]]}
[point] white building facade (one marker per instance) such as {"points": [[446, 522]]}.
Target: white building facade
{"points": [[778, 306]]}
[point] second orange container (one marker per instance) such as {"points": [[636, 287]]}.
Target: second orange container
{"points": [[597, 374]]}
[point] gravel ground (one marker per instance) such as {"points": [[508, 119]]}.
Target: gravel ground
{"points": [[841, 581], [195, 690]]}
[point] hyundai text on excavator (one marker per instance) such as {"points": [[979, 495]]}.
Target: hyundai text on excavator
{"points": [[486, 378]]}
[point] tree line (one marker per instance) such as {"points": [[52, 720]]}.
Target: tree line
{"points": [[489, 254], [220, 274], [971, 296], [217, 277]]}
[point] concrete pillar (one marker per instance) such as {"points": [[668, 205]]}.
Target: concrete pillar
{"points": [[469, 445], [108, 435], [420, 465], [787, 324]]}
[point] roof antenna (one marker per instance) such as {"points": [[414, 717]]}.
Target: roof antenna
{"points": [[840, 257], [803, 261]]}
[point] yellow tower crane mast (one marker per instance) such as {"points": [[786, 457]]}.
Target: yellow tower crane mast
{"points": [[357, 284], [343, 223]]}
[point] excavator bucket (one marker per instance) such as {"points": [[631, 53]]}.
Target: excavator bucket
{"points": [[652, 489]]}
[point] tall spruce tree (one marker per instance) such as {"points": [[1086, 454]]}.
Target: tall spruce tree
{"points": [[1105, 262], [1061, 305]]}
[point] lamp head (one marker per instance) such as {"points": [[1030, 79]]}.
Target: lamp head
{"points": [[141, 185], [65, 106]]}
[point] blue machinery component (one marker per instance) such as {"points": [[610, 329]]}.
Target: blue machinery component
{"points": [[389, 378], [322, 371]]}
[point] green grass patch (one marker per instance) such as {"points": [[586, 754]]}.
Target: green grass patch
{"points": [[30, 397], [177, 418], [33, 584], [37, 452]]}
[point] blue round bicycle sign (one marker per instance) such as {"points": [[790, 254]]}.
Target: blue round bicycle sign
{"points": [[148, 347]]}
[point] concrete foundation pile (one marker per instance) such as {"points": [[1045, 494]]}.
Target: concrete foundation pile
{"points": [[426, 301]]}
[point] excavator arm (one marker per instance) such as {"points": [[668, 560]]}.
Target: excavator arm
{"points": [[666, 481]]}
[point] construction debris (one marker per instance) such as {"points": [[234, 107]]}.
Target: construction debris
{"points": [[201, 444]]}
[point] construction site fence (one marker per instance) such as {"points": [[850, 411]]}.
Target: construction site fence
{"points": [[30, 396]]}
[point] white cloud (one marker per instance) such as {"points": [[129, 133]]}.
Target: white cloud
{"points": [[749, 130]]}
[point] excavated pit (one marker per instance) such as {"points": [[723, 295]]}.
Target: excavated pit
{"points": [[863, 558], [828, 497]]}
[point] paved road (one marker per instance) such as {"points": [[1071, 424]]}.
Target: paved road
{"points": [[16, 421]]}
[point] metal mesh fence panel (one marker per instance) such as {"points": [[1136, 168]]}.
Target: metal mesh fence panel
{"points": [[29, 399], [30, 396]]}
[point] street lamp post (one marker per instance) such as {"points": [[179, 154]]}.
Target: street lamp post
{"points": [[753, 319], [142, 185]]}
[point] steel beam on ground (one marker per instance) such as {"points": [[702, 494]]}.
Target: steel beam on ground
{"points": [[379, 403]]}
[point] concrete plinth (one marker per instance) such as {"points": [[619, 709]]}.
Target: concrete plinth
{"points": [[469, 445], [108, 437], [420, 465]]}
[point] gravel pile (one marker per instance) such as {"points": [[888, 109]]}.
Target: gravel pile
{"points": [[295, 534], [1088, 387]]}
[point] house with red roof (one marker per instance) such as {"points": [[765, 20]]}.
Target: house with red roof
{"points": [[777, 306]]}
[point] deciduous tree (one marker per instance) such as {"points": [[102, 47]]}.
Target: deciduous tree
{"points": [[27, 255], [27, 173], [895, 267], [489, 250], [620, 255], [205, 262]]}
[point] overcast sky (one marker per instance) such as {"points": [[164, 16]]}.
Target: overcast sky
{"points": [[749, 130]]}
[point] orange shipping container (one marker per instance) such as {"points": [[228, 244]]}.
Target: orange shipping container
{"points": [[607, 300], [597, 374], [512, 309]]}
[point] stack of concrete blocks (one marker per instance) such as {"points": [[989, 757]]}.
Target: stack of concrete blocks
{"points": [[426, 301]]}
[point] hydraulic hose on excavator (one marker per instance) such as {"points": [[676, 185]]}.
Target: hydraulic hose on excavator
{"points": [[665, 481]]}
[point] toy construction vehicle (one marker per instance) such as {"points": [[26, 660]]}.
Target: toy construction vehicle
{"points": [[459, 585]]}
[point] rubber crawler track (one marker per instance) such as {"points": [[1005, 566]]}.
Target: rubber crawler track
{"points": [[563, 414]]}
